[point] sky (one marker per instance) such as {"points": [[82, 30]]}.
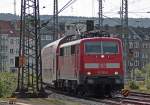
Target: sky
{"points": [[88, 8]]}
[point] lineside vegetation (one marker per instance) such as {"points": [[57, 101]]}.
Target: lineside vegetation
{"points": [[8, 83], [140, 79]]}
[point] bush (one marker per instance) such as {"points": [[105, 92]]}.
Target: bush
{"points": [[133, 85], [148, 84], [7, 84]]}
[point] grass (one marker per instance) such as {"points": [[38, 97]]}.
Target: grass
{"points": [[7, 84], [50, 101], [142, 88], [43, 101]]}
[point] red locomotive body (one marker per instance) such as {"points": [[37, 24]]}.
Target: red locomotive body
{"points": [[89, 64]]}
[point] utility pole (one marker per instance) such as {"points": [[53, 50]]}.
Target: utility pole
{"points": [[30, 66], [124, 23], [1, 55], [55, 20], [14, 7], [100, 14]]}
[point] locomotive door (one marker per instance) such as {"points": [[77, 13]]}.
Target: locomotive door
{"points": [[76, 61]]}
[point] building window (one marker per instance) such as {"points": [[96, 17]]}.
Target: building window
{"points": [[144, 55], [43, 37], [146, 37], [143, 64], [11, 51], [48, 37], [11, 41], [130, 44], [136, 45], [68, 27], [11, 61], [136, 54], [17, 51], [4, 57], [136, 63], [134, 36], [17, 41], [145, 45], [130, 63]]}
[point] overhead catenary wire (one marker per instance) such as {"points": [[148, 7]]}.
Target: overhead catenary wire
{"points": [[62, 9]]}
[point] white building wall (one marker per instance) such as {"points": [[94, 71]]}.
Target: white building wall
{"points": [[13, 51], [4, 52]]}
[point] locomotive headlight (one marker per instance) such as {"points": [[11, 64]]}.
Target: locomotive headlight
{"points": [[102, 56], [116, 73], [88, 73]]}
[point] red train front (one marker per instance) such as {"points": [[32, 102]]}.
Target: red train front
{"points": [[88, 65]]}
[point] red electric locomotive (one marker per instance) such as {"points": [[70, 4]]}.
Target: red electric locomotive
{"points": [[86, 65]]}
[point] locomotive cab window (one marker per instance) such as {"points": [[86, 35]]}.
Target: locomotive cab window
{"points": [[101, 47], [110, 47], [93, 47]]}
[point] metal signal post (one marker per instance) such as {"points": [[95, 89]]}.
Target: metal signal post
{"points": [[30, 66]]}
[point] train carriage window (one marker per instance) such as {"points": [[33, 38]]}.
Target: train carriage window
{"points": [[72, 49], [61, 51]]}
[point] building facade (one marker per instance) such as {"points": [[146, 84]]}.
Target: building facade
{"points": [[9, 43]]}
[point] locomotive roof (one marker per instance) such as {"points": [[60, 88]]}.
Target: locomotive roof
{"points": [[80, 40], [56, 43]]}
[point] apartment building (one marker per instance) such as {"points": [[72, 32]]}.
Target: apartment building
{"points": [[141, 50], [9, 43], [7, 46]]}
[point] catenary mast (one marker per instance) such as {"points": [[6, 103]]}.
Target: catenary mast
{"points": [[124, 24], [100, 14], [55, 20], [30, 66]]}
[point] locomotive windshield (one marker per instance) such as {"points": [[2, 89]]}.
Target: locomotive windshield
{"points": [[102, 47]]}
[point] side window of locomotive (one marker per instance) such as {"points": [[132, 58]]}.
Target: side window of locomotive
{"points": [[67, 51], [110, 47], [61, 51], [72, 49]]}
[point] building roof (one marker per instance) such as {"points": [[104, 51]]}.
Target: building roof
{"points": [[6, 27]]}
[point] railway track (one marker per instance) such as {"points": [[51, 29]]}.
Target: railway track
{"points": [[136, 98], [133, 99], [145, 95]]}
